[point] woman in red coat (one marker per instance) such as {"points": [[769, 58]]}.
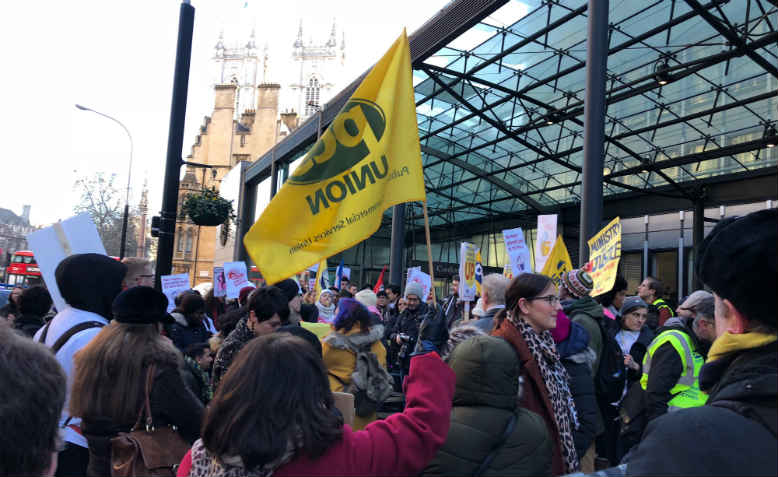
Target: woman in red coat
{"points": [[531, 305], [274, 413]]}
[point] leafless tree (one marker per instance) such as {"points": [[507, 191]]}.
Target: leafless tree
{"points": [[103, 201]]}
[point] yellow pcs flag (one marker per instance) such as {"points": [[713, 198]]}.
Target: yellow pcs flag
{"points": [[558, 262], [368, 160]]}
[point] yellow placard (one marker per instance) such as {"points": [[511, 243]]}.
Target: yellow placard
{"points": [[604, 256], [558, 261], [368, 160]]}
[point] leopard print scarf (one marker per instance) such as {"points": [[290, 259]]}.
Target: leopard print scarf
{"points": [[204, 464], [555, 377]]}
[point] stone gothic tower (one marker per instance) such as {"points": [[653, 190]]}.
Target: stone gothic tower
{"points": [[239, 65]]}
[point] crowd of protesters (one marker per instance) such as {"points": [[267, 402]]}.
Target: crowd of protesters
{"points": [[541, 379]]}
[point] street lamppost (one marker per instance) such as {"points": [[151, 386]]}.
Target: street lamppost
{"points": [[129, 175]]}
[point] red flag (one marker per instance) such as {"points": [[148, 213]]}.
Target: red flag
{"points": [[380, 283]]}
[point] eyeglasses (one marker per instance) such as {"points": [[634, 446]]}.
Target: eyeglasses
{"points": [[550, 299]]}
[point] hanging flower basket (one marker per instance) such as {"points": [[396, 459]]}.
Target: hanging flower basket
{"points": [[207, 208]]}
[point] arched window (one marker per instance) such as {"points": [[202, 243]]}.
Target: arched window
{"points": [[180, 246], [189, 237], [312, 96]]}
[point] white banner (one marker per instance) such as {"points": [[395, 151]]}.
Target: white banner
{"points": [[518, 252], [219, 283], [236, 277], [467, 283], [172, 286], [53, 244], [545, 240]]}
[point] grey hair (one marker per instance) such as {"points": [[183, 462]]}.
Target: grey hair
{"points": [[496, 285]]}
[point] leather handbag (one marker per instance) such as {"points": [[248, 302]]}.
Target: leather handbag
{"points": [[147, 450]]}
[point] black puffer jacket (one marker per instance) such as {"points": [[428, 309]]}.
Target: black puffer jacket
{"points": [[28, 325], [485, 399], [681, 443]]}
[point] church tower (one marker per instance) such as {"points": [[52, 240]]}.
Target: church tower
{"points": [[318, 70], [238, 65]]}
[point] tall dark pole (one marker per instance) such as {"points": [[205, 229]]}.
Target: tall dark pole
{"points": [[698, 234], [594, 125], [175, 142], [397, 245], [122, 247]]}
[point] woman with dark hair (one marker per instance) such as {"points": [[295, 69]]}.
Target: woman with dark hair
{"points": [[267, 310], [34, 303], [189, 326], [275, 414], [531, 306], [352, 330], [111, 372], [611, 301]]}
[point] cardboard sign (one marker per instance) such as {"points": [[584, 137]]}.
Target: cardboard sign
{"points": [[236, 277], [467, 272], [518, 252], [415, 275], [545, 241], [558, 261], [172, 286], [604, 255], [479, 272], [219, 282], [53, 244]]}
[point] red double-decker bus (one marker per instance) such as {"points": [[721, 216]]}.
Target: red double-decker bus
{"points": [[23, 271]]}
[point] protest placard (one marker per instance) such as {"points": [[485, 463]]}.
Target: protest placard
{"points": [[219, 283], [236, 277], [467, 272], [172, 286], [518, 252], [545, 240], [53, 244], [558, 261], [415, 275], [604, 256]]}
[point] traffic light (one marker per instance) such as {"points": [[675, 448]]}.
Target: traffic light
{"points": [[156, 221]]}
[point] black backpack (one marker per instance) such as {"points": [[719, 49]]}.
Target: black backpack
{"points": [[610, 377]]}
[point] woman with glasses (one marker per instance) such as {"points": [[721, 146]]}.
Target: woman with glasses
{"points": [[531, 306], [633, 336]]}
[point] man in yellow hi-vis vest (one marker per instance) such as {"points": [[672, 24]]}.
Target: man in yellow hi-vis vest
{"points": [[671, 366]]}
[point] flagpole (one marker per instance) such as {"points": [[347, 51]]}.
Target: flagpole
{"points": [[429, 250]]}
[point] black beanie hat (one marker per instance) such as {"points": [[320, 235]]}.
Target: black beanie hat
{"points": [[141, 306], [738, 260], [289, 288]]}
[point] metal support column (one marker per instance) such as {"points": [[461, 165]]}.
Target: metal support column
{"points": [[397, 245], [245, 221], [175, 143], [594, 125], [698, 234], [645, 249], [681, 267]]}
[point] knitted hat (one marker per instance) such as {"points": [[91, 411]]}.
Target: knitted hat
{"points": [[578, 282], [630, 303], [562, 330], [366, 297], [289, 288], [738, 260], [415, 289], [141, 306]]}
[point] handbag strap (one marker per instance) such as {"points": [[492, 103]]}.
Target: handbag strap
{"points": [[145, 407], [497, 446]]}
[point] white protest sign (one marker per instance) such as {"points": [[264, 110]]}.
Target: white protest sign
{"points": [[347, 273], [172, 286], [236, 276], [219, 283], [518, 252], [415, 275], [53, 244], [467, 283], [545, 240]]}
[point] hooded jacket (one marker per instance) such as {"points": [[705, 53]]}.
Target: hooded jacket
{"points": [[485, 399], [747, 378], [578, 360], [88, 283], [341, 362], [588, 313], [183, 333]]}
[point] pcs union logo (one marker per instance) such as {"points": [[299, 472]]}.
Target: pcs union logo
{"points": [[354, 133]]}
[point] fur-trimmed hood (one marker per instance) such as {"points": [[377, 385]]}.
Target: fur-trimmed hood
{"points": [[354, 338]]}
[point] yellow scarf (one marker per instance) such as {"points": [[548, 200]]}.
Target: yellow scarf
{"points": [[728, 342]]}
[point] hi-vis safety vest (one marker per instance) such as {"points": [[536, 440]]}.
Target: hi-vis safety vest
{"points": [[686, 392], [660, 304]]}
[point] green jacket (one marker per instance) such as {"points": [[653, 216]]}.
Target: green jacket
{"points": [[487, 371], [586, 312]]}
